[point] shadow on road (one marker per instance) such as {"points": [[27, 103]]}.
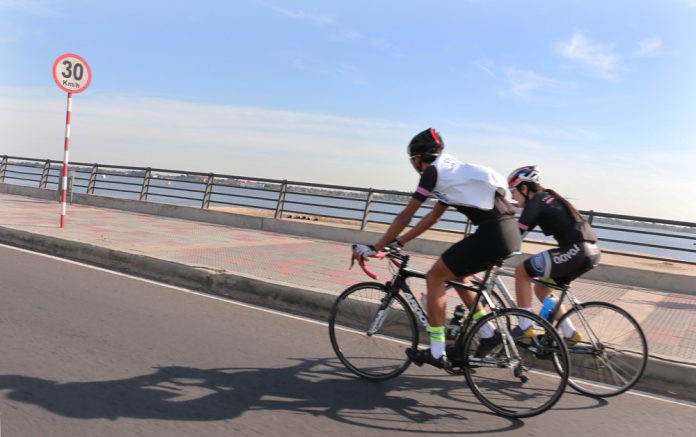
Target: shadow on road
{"points": [[313, 387]]}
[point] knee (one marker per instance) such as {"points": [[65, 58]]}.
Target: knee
{"points": [[521, 272], [541, 292], [438, 274], [433, 277]]}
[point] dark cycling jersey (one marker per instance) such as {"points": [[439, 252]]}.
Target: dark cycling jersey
{"points": [[576, 253], [554, 219]]}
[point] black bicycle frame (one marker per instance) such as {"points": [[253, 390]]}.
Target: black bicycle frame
{"points": [[398, 282]]}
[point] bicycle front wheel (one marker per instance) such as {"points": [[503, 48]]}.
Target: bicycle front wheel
{"points": [[370, 330], [515, 377], [612, 352]]}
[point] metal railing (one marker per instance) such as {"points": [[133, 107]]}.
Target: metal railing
{"points": [[359, 207]]}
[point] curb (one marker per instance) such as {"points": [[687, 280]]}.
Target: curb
{"points": [[263, 292], [666, 281], [661, 376]]}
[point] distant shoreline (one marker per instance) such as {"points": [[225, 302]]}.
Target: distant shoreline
{"points": [[610, 256]]}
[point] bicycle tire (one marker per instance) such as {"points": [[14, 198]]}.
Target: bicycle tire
{"points": [[621, 355], [376, 356], [517, 389]]}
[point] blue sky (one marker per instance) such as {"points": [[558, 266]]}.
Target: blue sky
{"points": [[599, 94]]}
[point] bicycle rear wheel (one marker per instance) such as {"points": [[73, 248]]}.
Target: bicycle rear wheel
{"points": [[612, 354], [356, 313], [519, 377]]}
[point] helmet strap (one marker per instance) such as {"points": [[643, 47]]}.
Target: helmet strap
{"points": [[526, 193], [422, 165]]}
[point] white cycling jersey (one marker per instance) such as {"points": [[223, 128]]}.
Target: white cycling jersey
{"points": [[471, 185]]}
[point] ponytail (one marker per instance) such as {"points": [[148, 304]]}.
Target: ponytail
{"points": [[571, 209], [535, 187]]}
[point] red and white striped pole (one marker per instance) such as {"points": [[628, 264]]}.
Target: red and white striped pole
{"points": [[64, 190], [73, 75]]}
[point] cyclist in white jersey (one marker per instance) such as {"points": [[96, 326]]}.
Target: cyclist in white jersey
{"points": [[476, 191]]}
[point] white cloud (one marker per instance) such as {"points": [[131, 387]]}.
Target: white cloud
{"points": [[521, 83], [31, 7], [487, 67], [538, 132], [328, 149], [336, 30], [600, 59], [649, 46], [315, 19], [255, 142], [10, 33], [342, 70]]}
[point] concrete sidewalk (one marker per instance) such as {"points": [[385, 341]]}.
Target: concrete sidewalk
{"points": [[299, 274]]}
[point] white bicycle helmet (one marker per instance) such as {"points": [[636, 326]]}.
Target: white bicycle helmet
{"points": [[528, 173]]}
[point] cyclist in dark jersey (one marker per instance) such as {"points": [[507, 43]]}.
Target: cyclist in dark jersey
{"points": [[477, 192], [576, 254]]}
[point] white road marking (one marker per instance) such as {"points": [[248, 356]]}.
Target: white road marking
{"points": [[173, 287], [276, 312]]}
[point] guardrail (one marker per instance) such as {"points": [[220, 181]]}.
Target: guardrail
{"points": [[360, 207]]}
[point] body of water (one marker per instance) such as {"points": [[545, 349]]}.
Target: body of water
{"points": [[351, 206]]}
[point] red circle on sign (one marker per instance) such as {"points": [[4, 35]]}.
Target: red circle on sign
{"points": [[69, 85]]}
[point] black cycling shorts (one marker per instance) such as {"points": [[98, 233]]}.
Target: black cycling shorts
{"points": [[564, 263], [491, 242]]}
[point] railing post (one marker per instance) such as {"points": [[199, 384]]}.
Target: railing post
{"points": [[467, 230], [210, 183], [146, 184], [71, 182], [91, 184], [280, 205], [368, 209], [3, 168], [590, 217], [44, 176]]}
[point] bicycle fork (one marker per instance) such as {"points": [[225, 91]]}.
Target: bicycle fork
{"points": [[380, 316], [378, 320]]}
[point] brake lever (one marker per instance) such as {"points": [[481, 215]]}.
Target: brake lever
{"points": [[361, 263]]}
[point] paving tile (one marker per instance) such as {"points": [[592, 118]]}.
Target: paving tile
{"points": [[668, 319]]}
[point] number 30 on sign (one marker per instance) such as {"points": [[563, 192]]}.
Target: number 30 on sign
{"points": [[72, 73]]}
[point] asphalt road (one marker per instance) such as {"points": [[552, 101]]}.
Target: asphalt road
{"points": [[87, 352]]}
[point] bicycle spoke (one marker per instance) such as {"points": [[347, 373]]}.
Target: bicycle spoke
{"points": [[371, 340], [517, 378], [613, 354]]}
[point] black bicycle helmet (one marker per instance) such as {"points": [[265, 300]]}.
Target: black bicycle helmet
{"points": [[427, 144]]}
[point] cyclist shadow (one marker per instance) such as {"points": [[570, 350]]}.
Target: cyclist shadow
{"points": [[319, 387]]}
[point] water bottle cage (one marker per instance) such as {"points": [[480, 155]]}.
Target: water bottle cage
{"points": [[452, 331]]}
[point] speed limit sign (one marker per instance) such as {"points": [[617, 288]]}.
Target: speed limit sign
{"points": [[72, 73]]}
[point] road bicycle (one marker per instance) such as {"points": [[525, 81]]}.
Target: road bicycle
{"points": [[372, 324], [613, 352]]}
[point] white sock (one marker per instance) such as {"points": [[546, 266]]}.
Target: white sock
{"points": [[437, 349], [487, 331], [525, 323], [437, 341], [567, 327]]}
